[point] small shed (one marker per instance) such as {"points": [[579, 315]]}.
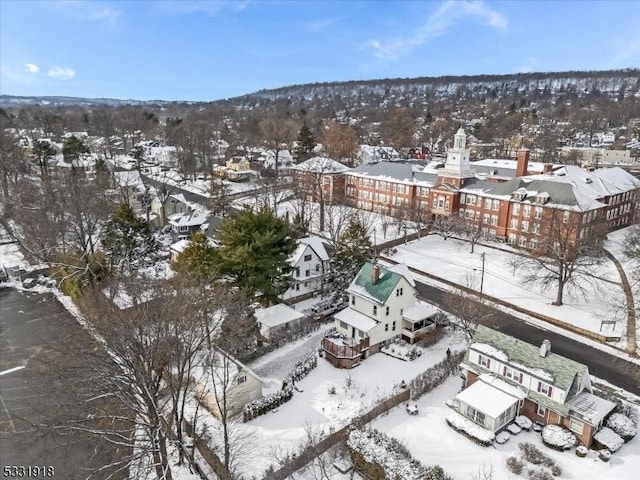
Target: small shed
{"points": [[275, 320]]}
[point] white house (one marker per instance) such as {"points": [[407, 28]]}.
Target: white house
{"points": [[379, 298], [310, 266], [277, 320], [506, 377], [228, 384]]}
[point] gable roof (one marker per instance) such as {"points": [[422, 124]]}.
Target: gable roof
{"points": [[382, 289], [321, 165], [315, 244], [189, 219], [558, 371], [555, 369]]}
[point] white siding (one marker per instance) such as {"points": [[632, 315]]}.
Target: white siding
{"points": [[529, 382]]}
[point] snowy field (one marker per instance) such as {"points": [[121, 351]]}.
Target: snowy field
{"points": [[356, 391], [451, 259], [615, 245], [432, 441]]}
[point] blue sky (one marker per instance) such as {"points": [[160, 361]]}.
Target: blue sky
{"points": [[207, 50]]}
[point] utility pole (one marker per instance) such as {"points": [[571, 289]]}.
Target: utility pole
{"points": [[482, 275]]}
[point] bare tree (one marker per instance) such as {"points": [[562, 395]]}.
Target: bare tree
{"points": [[340, 142], [132, 370], [338, 219], [566, 254], [302, 209], [277, 132], [469, 309], [220, 201], [448, 226], [272, 191], [399, 129], [310, 180], [236, 334]]}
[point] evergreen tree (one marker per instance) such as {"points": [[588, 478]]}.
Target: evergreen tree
{"points": [[127, 238], [306, 141], [353, 249], [199, 260], [255, 251], [72, 149]]}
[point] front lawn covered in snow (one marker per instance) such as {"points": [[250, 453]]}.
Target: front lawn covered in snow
{"points": [[430, 440], [451, 259], [282, 431]]}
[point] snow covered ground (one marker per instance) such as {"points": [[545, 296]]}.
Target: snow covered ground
{"points": [[382, 228], [10, 256], [451, 259], [432, 441], [200, 187], [356, 391]]}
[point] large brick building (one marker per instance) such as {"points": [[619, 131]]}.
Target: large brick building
{"points": [[514, 205]]}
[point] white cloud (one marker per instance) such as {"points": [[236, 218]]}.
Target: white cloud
{"points": [[208, 7], [63, 73], [446, 16], [32, 68], [88, 11]]}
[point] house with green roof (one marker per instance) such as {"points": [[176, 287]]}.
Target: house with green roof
{"points": [[506, 377], [382, 306]]}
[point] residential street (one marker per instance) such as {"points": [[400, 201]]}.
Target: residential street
{"points": [[43, 376], [614, 370]]}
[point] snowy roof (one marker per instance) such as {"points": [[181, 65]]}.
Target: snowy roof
{"points": [[403, 269], [508, 167], [315, 244], [356, 319], [128, 178], [496, 382], [390, 171], [487, 399], [590, 408], [225, 369], [558, 370], [572, 187], [322, 165], [188, 219], [419, 312], [279, 314]]}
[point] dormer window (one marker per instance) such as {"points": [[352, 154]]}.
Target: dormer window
{"points": [[484, 361], [542, 198], [545, 389]]}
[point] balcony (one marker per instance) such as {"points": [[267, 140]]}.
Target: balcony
{"points": [[413, 332], [341, 347]]}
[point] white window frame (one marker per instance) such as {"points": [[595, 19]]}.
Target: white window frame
{"points": [[576, 426]]}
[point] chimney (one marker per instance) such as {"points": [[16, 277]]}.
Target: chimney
{"points": [[375, 275], [547, 168], [545, 348], [523, 162]]}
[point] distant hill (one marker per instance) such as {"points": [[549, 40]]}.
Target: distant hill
{"points": [[389, 91], [12, 101], [611, 83]]}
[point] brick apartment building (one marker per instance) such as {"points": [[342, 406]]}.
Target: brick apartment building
{"points": [[510, 201]]}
